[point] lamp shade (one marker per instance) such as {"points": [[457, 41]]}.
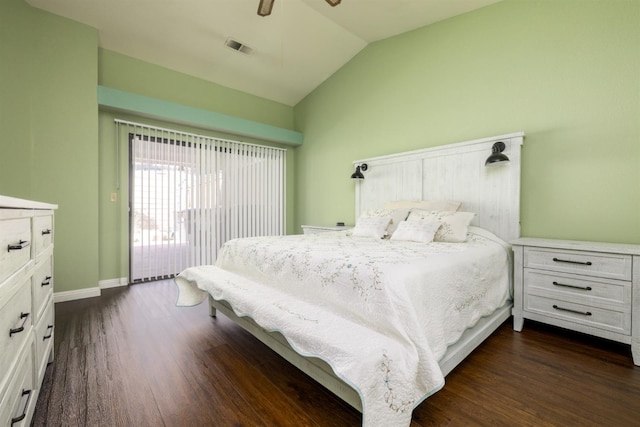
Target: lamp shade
{"points": [[358, 173], [497, 156]]}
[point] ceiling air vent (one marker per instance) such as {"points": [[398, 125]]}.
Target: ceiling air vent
{"points": [[236, 45]]}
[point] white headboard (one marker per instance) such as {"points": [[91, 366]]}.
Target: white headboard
{"points": [[451, 172]]}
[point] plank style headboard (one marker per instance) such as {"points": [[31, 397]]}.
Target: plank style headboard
{"points": [[451, 172]]}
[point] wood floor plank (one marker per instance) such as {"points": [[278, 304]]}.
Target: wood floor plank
{"points": [[50, 401], [131, 358], [313, 400], [272, 405], [212, 390], [547, 375], [74, 406]]}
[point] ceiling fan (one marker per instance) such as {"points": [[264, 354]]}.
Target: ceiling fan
{"points": [[264, 9]]}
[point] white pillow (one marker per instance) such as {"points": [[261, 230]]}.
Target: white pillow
{"points": [[427, 205], [416, 231], [396, 215], [371, 227], [454, 224]]}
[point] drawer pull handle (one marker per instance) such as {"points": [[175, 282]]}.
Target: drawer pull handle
{"points": [[24, 317], [46, 281], [24, 411], [46, 337], [572, 262], [584, 288], [584, 313], [20, 245], [47, 231]]}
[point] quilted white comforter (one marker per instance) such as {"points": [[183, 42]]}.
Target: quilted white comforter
{"points": [[380, 312]]}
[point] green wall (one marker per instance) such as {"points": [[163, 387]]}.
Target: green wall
{"points": [[49, 121], [115, 71], [15, 101], [131, 75], [59, 148], [566, 72]]}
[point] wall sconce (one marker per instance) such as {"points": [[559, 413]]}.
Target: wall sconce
{"points": [[496, 154], [358, 173]]}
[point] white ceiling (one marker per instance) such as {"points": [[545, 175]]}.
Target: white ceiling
{"points": [[295, 49]]}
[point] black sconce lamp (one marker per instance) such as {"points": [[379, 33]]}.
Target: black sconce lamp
{"points": [[496, 156], [358, 173]]}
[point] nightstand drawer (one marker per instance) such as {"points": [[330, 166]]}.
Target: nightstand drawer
{"points": [[612, 266], [584, 289], [609, 320], [315, 229]]}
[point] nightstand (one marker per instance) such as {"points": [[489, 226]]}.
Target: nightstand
{"points": [[587, 287], [314, 229]]}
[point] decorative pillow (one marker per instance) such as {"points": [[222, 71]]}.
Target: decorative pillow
{"points": [[416, 231], [397, 216], [427, 205], [371, 227], [454, 224]]}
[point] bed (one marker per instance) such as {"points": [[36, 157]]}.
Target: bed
{"points": [[364, 315]]}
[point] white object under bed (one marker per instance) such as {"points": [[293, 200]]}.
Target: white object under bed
{"points": [[380, 312]]}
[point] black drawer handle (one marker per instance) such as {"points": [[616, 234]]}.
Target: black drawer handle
{"points": [[46, 281], [24, 317], [46, 337], [24, 411], [47, 231], [583, 288], [20, 245], [584, 313], [572, 262]]}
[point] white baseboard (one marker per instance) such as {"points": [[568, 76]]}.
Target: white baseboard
{"points": [[113, 283], [89, 292], [77, 294]]}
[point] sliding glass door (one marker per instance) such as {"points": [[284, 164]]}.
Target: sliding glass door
{"points": [[188, 194]]}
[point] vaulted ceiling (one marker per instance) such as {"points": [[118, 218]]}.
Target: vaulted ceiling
{"points": [[286, 54]]}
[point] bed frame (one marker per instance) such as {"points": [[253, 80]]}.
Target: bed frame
{"points": [[449, 172]]}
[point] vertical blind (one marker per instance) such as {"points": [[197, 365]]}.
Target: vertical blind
{"points": [[188, 194]]}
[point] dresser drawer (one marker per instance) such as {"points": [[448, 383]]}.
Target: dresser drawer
{"points": [[612, 266], [44, 340], [43, 232], [15, 241], [15, 324], [605, 319], [571, 287], [42, 283], [19, 401]]}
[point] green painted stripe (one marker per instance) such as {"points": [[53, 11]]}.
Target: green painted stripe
{"points": [[164, 110]]}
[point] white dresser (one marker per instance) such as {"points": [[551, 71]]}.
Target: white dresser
{"points": [[26, 305], [583, 286]]}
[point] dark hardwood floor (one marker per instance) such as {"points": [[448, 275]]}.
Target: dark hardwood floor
{"points": [[131, 358]]}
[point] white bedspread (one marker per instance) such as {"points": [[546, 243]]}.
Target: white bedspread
{"points": [[380, 312]]}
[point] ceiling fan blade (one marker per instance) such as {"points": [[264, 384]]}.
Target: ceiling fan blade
{"points": [[265, 6]]}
